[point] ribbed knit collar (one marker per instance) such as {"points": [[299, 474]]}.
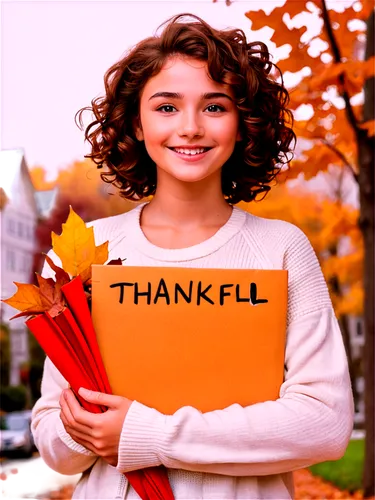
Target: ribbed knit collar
{"points": [[206, 247]]}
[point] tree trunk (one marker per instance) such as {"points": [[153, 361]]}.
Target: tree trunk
{"points": [[366, 158], [344, 327]]}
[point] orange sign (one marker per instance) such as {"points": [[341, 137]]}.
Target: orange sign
{"points": [[207, 338]]}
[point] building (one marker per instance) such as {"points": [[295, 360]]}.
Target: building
{"points": [[20, 208]]}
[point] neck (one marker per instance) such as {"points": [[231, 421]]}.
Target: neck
{"points": [[184, 205]]}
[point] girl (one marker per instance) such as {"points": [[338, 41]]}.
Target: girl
{"points": [[193, 118]]}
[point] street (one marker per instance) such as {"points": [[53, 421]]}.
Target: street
{"points": [[29, 478]]}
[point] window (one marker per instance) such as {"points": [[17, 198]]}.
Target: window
{"points": [[10, 260], [31, 232], [24, 263], [20, 229], [11, 226]]}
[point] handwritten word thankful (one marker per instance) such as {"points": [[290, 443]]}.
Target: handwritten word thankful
{"points": [[196, 293]]}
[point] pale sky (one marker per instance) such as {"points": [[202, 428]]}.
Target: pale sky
{"points": [[55, 54]]}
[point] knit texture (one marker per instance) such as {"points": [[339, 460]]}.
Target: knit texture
{"points": [[244, 453]]}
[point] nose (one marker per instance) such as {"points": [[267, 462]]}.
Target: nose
{"points": [[190, 125]]}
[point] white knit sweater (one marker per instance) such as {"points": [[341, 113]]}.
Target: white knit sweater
{"points": [[234, 453]]}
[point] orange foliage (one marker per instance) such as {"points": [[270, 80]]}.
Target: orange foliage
{"points": [[328, 224], [38, 178], [308, 487], [328, 123], [80, 185], [76, 248], [329, 133]]}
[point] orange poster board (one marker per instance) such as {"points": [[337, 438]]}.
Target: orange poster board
{"points": [[207, 338]]}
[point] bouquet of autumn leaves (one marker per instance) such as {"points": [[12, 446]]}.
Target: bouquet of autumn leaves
{"points": [[58, 315]]}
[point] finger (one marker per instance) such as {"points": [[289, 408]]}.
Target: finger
{"points": [[70, 424], [65, 414], [80, 436], [100, 398], [73, 430], [65, 422], [75, 415], [85, 443]]}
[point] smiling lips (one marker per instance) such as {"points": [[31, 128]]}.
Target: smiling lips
{"points": [[190, 155], [191, 152]]}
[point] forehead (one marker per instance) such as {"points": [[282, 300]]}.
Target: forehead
{"points": [[185, 75]]}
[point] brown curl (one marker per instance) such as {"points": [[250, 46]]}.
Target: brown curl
{"points": [[265, 121]]}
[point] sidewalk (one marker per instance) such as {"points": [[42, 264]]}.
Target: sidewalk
{"points": [[358, 434]]}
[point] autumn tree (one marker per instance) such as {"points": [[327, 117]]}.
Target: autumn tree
{"points": [[338, 85], [80, 186], [326, 221]]}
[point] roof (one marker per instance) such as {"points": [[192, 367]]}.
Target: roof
{"points": [[13, 171], [45, 201]]}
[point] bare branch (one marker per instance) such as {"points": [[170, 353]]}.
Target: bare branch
{"points": [[341, 156], [337, 58]]}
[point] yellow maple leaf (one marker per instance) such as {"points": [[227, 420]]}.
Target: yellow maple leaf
{"points": [[75, 246]]}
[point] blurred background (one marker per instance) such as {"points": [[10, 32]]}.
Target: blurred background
{"points": [[54, 56]]}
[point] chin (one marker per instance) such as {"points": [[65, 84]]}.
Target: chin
{"points": [[190, 174], [191, 179]]}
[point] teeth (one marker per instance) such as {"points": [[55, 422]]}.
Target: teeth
{"points": [[189, 151]]}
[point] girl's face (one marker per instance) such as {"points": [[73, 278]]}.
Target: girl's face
{"points": [[189, 123]]}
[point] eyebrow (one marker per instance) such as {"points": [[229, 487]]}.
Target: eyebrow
{"points": [[175, 95]]}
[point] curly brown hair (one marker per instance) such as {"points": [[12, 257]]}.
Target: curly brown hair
{"points": [[265, 121]]}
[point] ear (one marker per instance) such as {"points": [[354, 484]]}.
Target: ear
{"points": [[138, 129]]}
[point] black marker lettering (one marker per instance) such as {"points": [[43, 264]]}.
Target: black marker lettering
{"points": [[253, 296], [241, 299], [138, 294], [223, 293], [122, 288], [162, 294], [179, 290], [202, 294]]}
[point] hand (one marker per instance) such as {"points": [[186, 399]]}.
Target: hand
{"points": [[98, 432]]}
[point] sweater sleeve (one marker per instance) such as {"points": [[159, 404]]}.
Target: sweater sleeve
{"points": [[56, 447], [310, 422]]}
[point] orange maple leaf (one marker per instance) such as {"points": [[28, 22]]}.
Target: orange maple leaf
{"points": [[27, 299], [78, 252]]}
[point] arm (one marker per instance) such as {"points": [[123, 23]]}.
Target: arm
{"points": [[55, 445], [309, 423]]}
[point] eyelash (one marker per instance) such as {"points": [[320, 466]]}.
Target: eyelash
{"points": [[160, 108]]}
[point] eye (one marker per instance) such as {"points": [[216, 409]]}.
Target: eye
{"points": [[215, 108], [166, 108]]}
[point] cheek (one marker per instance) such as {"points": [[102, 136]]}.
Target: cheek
{"points": [[226, 133], [157, 133]]}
